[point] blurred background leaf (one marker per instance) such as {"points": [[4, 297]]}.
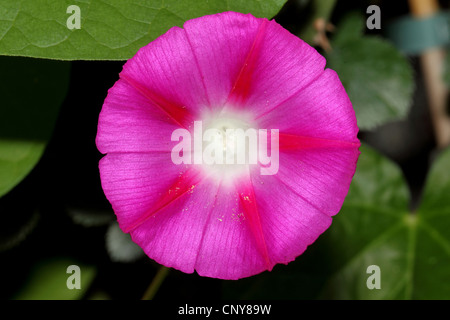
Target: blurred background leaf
{"points": [[14, 235], [377, 77], [17, 158], [91, 218], [110, 29], [120, 247], [350, 28], [32, 91], [48, 280], [374, 227]]}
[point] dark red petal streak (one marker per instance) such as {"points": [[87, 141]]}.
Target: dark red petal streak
{"points": [[221, 43], [129, 122], [166, 72], [185, 183], [295, 142], [277, 67], [177, 113], [251, 214], [241, 88]]}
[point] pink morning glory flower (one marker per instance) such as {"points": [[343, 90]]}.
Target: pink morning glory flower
{"points": [[229, 146]]}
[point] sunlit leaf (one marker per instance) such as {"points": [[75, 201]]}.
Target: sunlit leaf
{"points": [[17, 158], [48, 281], [109, 29]]}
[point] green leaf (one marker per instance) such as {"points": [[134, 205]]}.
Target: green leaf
{"points": [[48, 281], [351, 28], [371, 229], [17, 158], [374, 227], [447, 69], [109, 29], [377, 77], [32, 91]]}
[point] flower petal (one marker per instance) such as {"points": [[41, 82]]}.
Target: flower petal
{"points": [[181, 217], [320, 176], [290, 222], [129, 122], [173, 236], [321, 110], [279, 66], [221, 44], [251, 60], [166, 72], [229, 249], [134, 183]]}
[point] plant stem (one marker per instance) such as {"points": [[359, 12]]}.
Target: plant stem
{"points": [[156, 283], [322, 9], [432, 61]]}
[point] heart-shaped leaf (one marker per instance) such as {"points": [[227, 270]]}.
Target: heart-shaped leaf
{"points": [[103, 30], [377, 77], [373, 228]]}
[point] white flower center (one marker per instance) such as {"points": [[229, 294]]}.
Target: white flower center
{"points": [[229, 145], [225, 145]]}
